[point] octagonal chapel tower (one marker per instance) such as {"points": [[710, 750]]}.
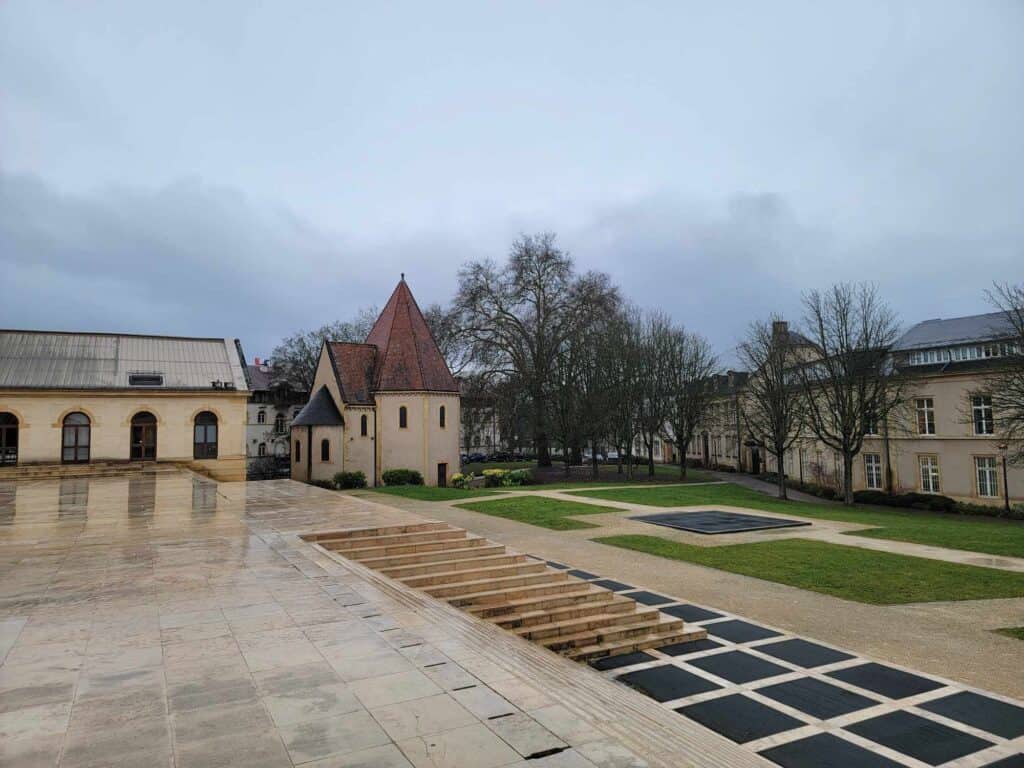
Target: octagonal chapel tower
{"points": [[389, 403]]}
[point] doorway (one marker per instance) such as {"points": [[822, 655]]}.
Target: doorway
{"points": [[8, 439], [75, 439], [143, 437], [442, 475]]}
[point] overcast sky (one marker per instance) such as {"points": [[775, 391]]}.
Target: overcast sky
{"points": [[248, 169]]}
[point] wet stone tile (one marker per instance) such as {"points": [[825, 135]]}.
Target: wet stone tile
{"points": [[667, 682], [804, 653], [737, 631], [817, 698], [825, 749], [922, 739], [878, 678], [737, 666], [983, 712], [739, 718]]}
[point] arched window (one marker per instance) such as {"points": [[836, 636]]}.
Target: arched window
{"points": [[143, 436], [279, 424], [362, 425], [325, 450], [8, 438], [261, 450], [298, 451], [441, 416], [204, 436], [403, 417], [261, 417], [75, 440]]}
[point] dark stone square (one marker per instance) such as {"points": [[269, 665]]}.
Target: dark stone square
{"points": [[923, 739], [667, 682], [738, 667], [623, 660], [737, 631], [739, 718], [649, 598], [817, 698], [694, 646], [1013, 761], [803, 653], [582, 574], [826, 751], [992, 715], [614, 586], [714, 521], [894, 683], [691, 613], [559, 566]]}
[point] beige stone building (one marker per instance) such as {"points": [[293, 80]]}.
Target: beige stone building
{"points": [[85, 398], [944, 440], [388, 403]]}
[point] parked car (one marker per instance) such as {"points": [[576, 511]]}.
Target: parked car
{"points": [[475, 458]]}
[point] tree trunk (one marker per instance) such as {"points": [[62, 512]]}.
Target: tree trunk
{"points": [[650, 459], [540, 434], [593, 461], [848, 479], [618, 459]]}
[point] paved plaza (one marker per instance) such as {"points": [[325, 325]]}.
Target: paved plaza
{"points": [[167, 620]]}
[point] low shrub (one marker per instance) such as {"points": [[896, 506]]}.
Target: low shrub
{"points": [[517, 477], [328, 484], [402, 477], [464, 481], [350, 480], [493, 478]]}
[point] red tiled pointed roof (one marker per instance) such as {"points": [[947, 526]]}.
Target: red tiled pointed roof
{"points": [[354, 365], [407, 357]]}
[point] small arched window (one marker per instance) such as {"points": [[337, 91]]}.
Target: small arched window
{"points": [[298, 451], [262, 449], [441, 416], [362, 425], [261, 417], [204, 436], [279, 424], [325, 450], [403, 417], [75, 438]]}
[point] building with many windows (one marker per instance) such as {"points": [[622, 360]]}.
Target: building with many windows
{"points": [[273, 403], [388, 403], [81, 398]]}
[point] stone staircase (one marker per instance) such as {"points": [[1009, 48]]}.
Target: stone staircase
{"points": [[57, 471], [514, 591]]}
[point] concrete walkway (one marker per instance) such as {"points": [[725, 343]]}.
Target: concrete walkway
{"points": [[949, 639]]}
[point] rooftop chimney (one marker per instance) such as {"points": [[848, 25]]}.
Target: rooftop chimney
{"points": [[780, 329]]}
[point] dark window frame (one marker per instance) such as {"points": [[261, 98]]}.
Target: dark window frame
{"points": [[298, 451], [363, 421], [403, 417], [202, 446], [442, 417], [325, 450]]}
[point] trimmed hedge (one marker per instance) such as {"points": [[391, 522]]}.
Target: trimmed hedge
{"points": [[402, 477], [328, 484], [350, 480]]}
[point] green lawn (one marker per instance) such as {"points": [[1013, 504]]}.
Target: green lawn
{"points": [[1017, 632], [851, 573], [977, 534], [429, 493], [537, 510]]}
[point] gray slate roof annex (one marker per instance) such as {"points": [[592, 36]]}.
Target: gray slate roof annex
{"points": [[320, 411], [930, 334], [53, 360]]}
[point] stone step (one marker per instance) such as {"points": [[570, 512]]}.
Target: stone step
{"points": [[480, 589], [655, 639], [606, 634], [479, 547], [387, 530], [344, 545], [523, 607], [474, 574], [470, 562], [364, 554], [579, 608], [572, 626]]}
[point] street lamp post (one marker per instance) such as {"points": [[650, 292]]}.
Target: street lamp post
{"points": [[1003, 449]]}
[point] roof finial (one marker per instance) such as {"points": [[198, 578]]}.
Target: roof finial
{"points": [[403, 277]]}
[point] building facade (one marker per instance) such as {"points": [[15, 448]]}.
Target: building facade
{"points": [[943, 440], [273, 404], [80, 398], [388, 403]]}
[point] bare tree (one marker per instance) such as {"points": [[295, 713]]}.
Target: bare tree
{"points": [[848, 381], [477, 406], [447, 331], [689, 370], [1005, 385], [518, 317], [773, 404], [653, 390], [624, 335], [296, 357]]}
